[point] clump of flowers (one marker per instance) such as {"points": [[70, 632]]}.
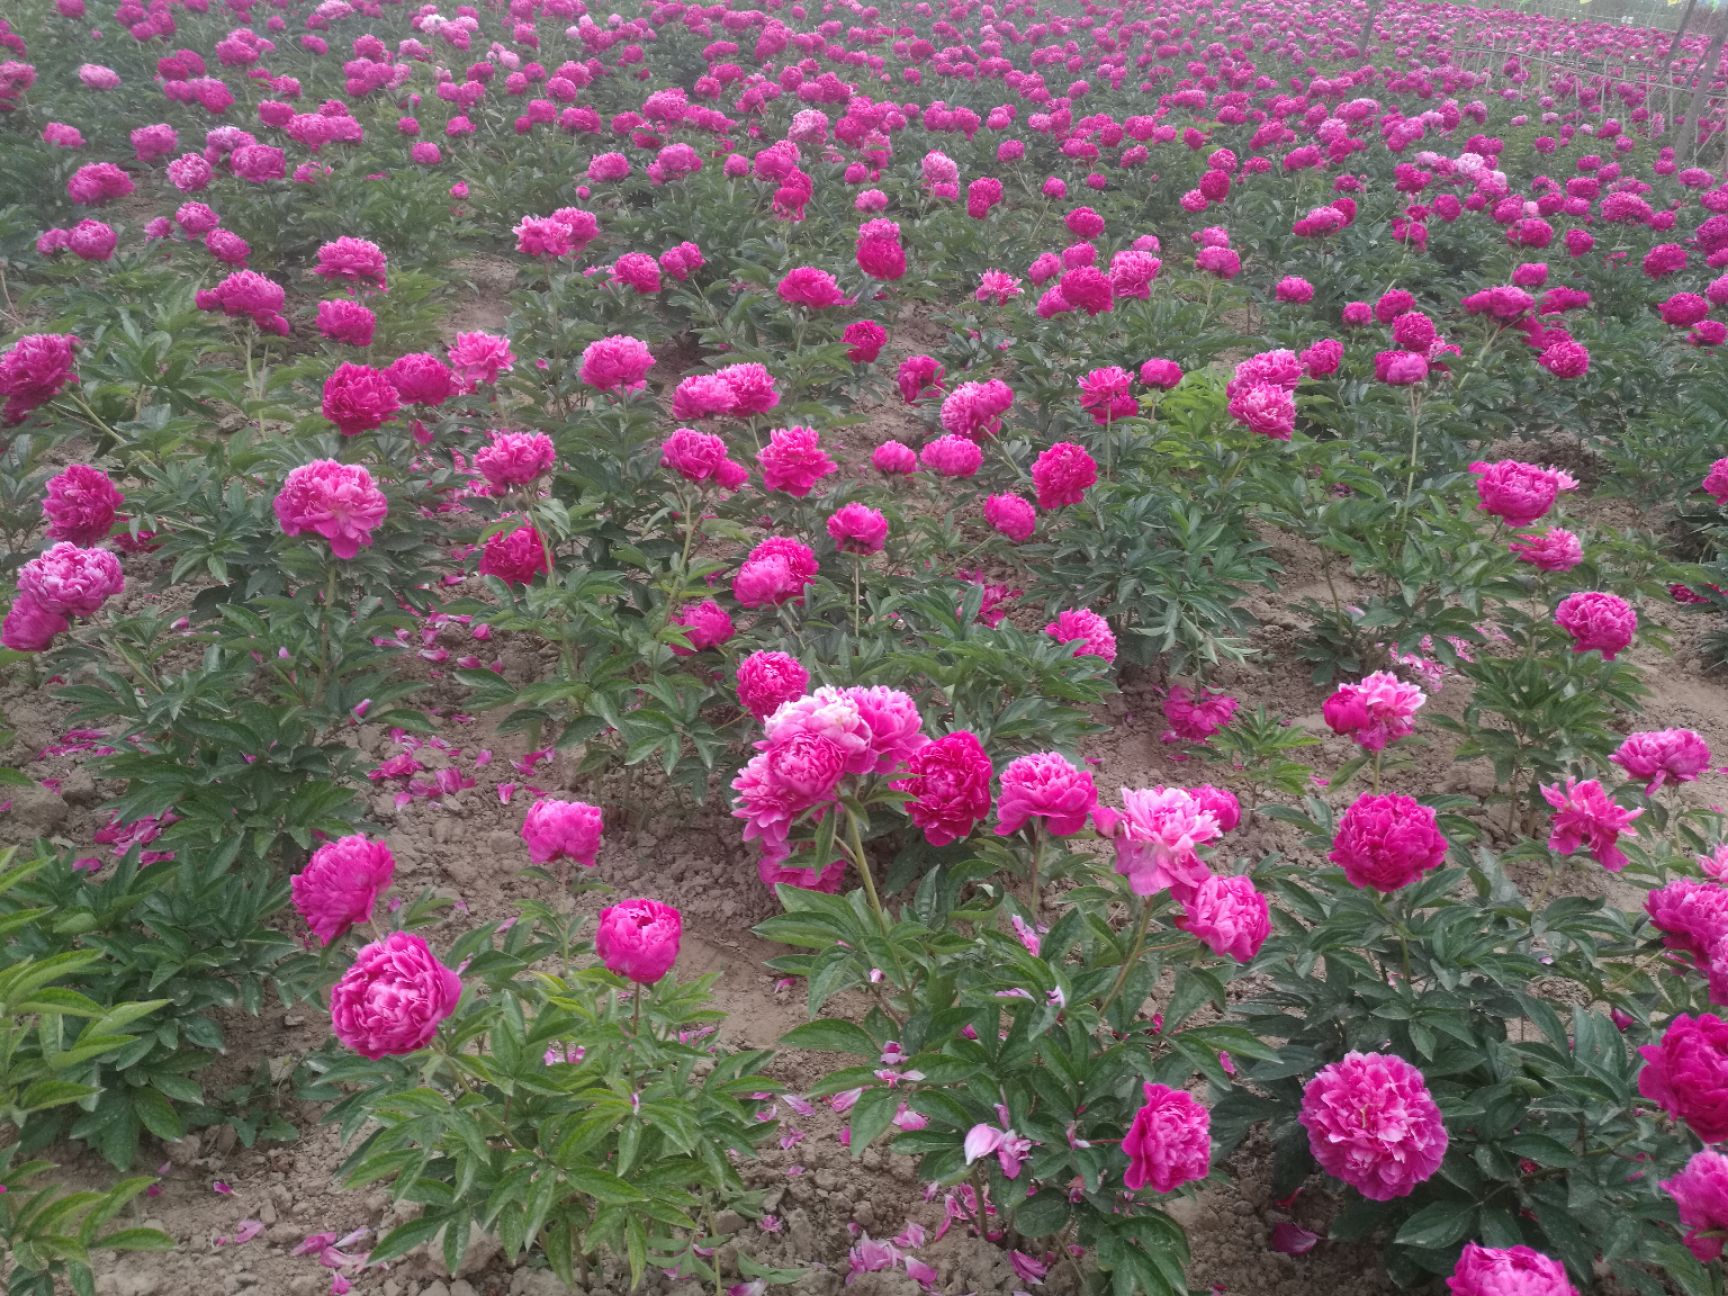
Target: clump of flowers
{"points": [[1376, 712]]}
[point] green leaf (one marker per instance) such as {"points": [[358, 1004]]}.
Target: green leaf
{"points": [[831, 1035], [1437, 1224], [871, 1114]]}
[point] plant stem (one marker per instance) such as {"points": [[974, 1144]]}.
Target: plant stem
{"points": [[1134, 950], [857, 599], [855, 848], [1032, 876], [1378, 757]]}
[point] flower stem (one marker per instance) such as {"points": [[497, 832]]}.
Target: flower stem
{"points": [[1134, 951], [855, 848]]}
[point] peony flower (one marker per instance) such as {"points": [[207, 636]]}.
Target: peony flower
{"points": [[1265, 408], [752, 388], [352, 260], [392, 998], [975, 410], [32, 372], [1715, 482], [29, 627], [479, 358], [918, 376], [1553, 550], [1105, 395], [768, 680], [1062, 475], [1508, 1271], [1691, 915], [69, 581], [1372, 1124], [1663, 755], [1584, 815], [1087, 630], [616, 363], [1386, 842], [514, 458], [422, 379], [1012, 516], [858, 529], [247, 293], [81, 504], [948, 783], [811, 288], [1597, 622], [1169, 1142], [346, 322], [793, 461], [952, 456], [775, 873], [514, 557], [774, 572], [1518, 493], [1160, 373], [563, 830], [1686, 1074], [1193, 716], [359, 398], [1700, 1192], [894, 459], [864, 341], [341, 883], [1045, 786], [1157, 836], [1228, 916], [335, 500], [638, 939], [1378, 711], [706, 625], [694, 456]]}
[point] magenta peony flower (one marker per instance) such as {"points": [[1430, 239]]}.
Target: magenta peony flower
{"points": [[1400, 368], [1597, 622], [950, 455], [1012, 516], [1715, 481], [638, 272], [69, 581], [29, 627], [1169, 1142], [479, 358], [1378, 711], [514, 557], [1157, 836], [774, 572], [1062, 475], [811, 288], [392, 998], [775, 873], [358, 398], [1220, 803], [1045, 786], [948, 781], [1160, 373], [694, 456], [1518, 493], [768, 680], [337, 501], [1508, 1271], [1372, 1124], [514, 458], [879, 253], [1663, 755], [616, 363], [1566, 358], [32, 372], [975, 410], [341, 883], [1387, 841], [1294, 289], [894, 459], [1105, 395], [81, 505], [1087, 288], [422, 379], [1686, 1074], [864, 341], [858, 529], [1088, 628], [1700, 1191], [346, 322], [247, 293], [1229, 917], [563, 830], [793, 461], [706, 625], [1584, 815], [1553, 550], [752, 387], [1692, 916], [1323, 358], [919, 375], [1194, 717], [1265, 408], [352, 260], [638, 939]]}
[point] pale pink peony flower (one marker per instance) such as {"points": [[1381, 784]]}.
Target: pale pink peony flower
{"points": [[638, 939], [1043, 785], [1372, 1123], [1157, 835], [335, 500], [69, 581], [1663, 755], [1169, 1142], [563, 830], [1584, 815], [391, 1000], [341, 884], [1378, 711], [1009, 1148]]}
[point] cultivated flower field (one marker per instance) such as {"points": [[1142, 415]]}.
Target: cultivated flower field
{"points": [[971, 647]]}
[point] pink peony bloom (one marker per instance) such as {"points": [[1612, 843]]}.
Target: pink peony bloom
{"points": [[1518, 493], [422, 379], [81, 505], [352, 260], [638, 939], [1265, 408], [1372, 1124], [1012, 516], [346, 322], [1386, 842], [706, 625], [1508, 1271], [1700, 1192], [1229, 917], [70, 581], [341, 883], [1045, 786], [515, 557], [975, 410], [1160, 373], [858, 529], [793, 461], [694, 456], [638, 272], [1105, 395], [864, 341], [1715, 482], [894, 459], [391, 1000], [774, 572], [811, 288], [1062, 475], [1158, 835], [563, 830], [247, 293], [1553, 550], [1584, 815], [1169, 1142], [29, 627], [1597, 622], [768, 680], [1378, 711], [616, 363], [919, 375], [514, 458], [1691, 915], [948, 781], [335, 500], [1087, 630], [952, 456], [1686, 1074], [752, 387], [32, 372], [359, 398], [1193, 716], [1663, 755], [479, 358], [775, 873]]}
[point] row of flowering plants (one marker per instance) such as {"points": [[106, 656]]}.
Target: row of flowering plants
{"points": [[817, 418]]}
